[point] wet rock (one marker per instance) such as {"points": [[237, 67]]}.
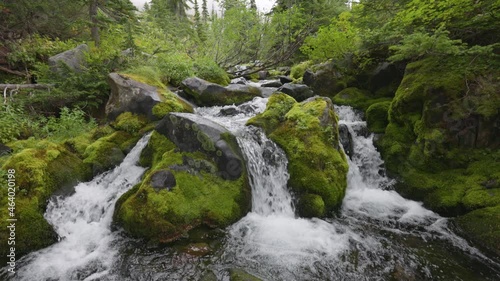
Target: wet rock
{"points": [[325, 81], [267, 92], [193, 133], [272, 84], [74, 59], [128, 95], [299, 92], [205, 93], [285, 79], [197, 249], [228, 111], [239, 80], [241, 275], [308, 77], [346, 139], [163, 179]]}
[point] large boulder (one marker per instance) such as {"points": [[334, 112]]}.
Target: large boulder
{"points": [[197, 177], [299, 92], [74, 59], [326, 81], [129, 95], [308, 133], [205, 93], [192, 133]]}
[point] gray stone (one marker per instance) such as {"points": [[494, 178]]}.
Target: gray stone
{"points": [[5, 150], [74, 59], [239, 80], [346, 139], [263, 74], [205, 93], [130, 95], [267, 92], [285, 79], [299, 92], [191, 133], [272, 84], [163, 179]]}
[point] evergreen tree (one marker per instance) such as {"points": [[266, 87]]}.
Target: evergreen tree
{"points": [[204, 11], [253, 5]]}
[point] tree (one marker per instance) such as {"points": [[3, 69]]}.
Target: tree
{"points": [[204, 11]]}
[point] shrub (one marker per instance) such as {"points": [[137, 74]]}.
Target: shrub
{"points": [[207, 69], [298, 70], [175, 67]]}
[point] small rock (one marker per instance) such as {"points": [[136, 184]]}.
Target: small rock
{"points": [[239, 80], [5, 150], [299, 92], [272, 84], [263, 74], [163, 179], [285, 79]]}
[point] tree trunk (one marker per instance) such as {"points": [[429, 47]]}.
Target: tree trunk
{"points": [[94, 29]]}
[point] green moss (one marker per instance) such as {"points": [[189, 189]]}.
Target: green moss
{"points": [[130, 122], [109, 151], [316, 165], [311, 205], [208, 70], [357, 98], [146, 75], [278, 105], [377, 116], [298, 70], [482, 227]]}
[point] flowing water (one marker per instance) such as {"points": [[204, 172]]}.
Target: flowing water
{"points": [[377, 234]]}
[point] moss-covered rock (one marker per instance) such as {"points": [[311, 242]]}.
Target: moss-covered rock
{"points": [[360, 99], [201, 195], [441, 138], [308, 134], [377, 116], [482, 227], [129, 122], [109, 151], [41, 168]]}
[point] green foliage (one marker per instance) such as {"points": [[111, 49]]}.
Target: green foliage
{"points": [[175, 67], [70, 124], [130, 123], [298, 70], [418, 45], [207, 69], [336, 41]]}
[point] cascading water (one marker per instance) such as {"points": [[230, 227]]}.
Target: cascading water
{"points": [[377, 234], [83, 221]]}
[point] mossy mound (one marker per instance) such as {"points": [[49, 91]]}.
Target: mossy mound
{"points": [[377, 116], [483, 228], [41, 169], [200, 196], [442, 137], [360, 99], [170, 103], [308, 134]]}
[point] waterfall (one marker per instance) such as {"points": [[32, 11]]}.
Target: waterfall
{"points": [[82, 221]]}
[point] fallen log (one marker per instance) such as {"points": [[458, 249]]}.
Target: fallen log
{"points": [[14, 88]]}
